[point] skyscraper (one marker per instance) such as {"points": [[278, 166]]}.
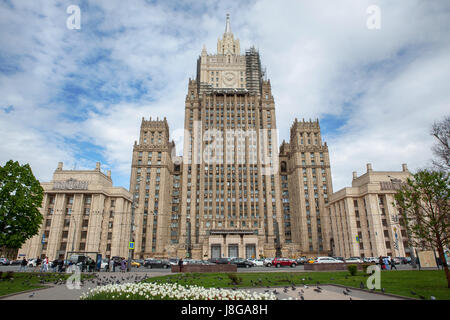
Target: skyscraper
{"points": [[231, 194]]}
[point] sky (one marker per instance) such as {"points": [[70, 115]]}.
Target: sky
{"points": [[79, 95]]}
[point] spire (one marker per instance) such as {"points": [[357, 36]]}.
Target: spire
{"points": [[227, 27]]}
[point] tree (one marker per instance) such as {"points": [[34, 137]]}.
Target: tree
{"points": [[424, 204], [441, 131], [20, 197]]}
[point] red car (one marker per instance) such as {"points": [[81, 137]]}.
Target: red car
{"points": [[284, 262]]}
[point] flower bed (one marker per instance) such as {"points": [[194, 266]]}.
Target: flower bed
{"points": [[169, 291]]}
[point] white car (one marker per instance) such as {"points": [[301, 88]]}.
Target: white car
{"points": [[327, 260], [257, 262], [353, 260], [268, 262]]}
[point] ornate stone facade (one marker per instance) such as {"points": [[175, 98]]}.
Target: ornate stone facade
{"points": [[364, 221], [82, 212]]}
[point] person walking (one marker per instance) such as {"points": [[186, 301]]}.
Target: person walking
{"points": [[54, 265], [123, 265], [38, 264], [112, 265], [44, 265], [381, 262], [23, 264], [180, 264], [92, 264], [60, 265], [393, 264], [386, 262]]}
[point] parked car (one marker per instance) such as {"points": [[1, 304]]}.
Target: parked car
{"points": [[222, 261], [4, 261], [156, 263], [302, 260], [140, 261], [241, 263], [327, 260], [284, 262], [311, 260], [135, 263], [257, 262], [339, 258], [268, 262], [15, 262], [398, 260], [353, 260], [369, 259], [173, 261]]}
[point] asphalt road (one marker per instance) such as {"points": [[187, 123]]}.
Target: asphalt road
{"points": [[298, 268]]}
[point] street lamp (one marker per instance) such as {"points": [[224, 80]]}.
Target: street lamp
{"points": [[130, 251]]}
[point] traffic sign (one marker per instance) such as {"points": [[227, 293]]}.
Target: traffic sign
{"points": [[131, 245]]}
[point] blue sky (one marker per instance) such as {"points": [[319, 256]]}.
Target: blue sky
{"points": [[78, 96]]}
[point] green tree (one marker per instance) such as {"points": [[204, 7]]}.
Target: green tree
{"points": [[20, 197], [424, 203]]}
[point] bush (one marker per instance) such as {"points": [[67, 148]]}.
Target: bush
{"points": [[365, 266], [234, 278], [352, 268]]}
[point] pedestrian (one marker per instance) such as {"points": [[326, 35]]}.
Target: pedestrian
{"points": [[112, 265], [54, 265], [386, 263], [23, 264], [60, 265], [180, 264], [381, 262], [123, 265], [107, 265], [38, 264], [92, 265], [45, 264], [83, 266], [393, 264]]}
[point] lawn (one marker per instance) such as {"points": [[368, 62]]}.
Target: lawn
{"points": [[23, 281], [404, 283]]}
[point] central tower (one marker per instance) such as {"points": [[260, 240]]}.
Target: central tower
{"points": [[229, 204]]}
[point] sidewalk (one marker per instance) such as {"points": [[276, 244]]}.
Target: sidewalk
{"points": [[62, 292]]}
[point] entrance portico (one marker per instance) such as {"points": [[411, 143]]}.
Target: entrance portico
{"points": [[232, 244]]}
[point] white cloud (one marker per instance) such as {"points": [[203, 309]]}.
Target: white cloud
{"points": [[388, 85]]}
